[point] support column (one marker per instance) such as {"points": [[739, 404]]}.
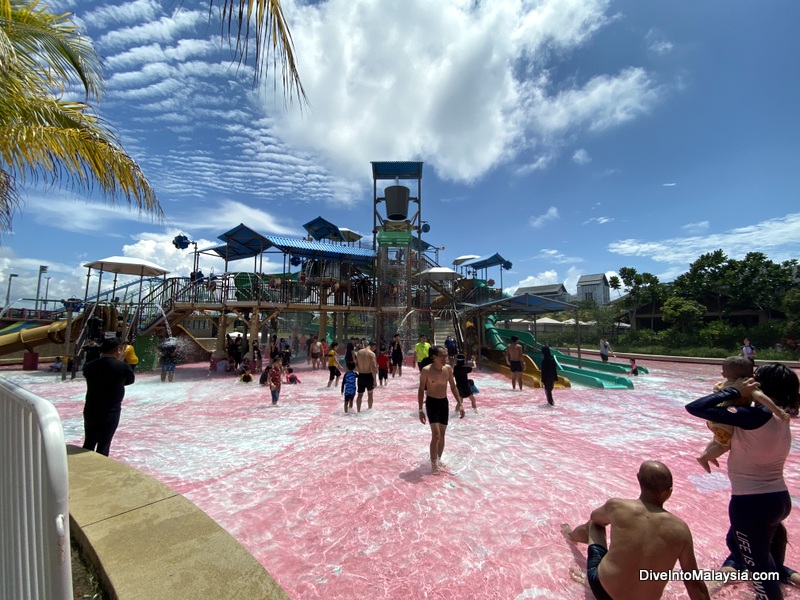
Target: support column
{"points": [[219, 349], [323, 314]]}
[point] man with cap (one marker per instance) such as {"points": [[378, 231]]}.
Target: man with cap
{"points": [[106, 379], [367, 366]]}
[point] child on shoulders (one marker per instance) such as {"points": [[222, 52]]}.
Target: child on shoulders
{"points": [[733, 368]]}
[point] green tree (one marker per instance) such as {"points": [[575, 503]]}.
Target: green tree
{"points": [[791, 306], [685, 315], [641, 288], [42, 136], [757, 282], [615, 284], [706, 281]]}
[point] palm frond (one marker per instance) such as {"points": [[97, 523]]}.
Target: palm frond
{"points": [[51, 46], [273, 41], [45, 138]]}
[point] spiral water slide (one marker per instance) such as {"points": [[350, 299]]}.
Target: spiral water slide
{"points": [[30, 337]]}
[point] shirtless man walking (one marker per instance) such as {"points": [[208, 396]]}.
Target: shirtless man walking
{"points": [[514, 362], [433, 382], [645, 538], [367, 366]]}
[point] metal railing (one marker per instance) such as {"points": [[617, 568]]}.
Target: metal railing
{"points": [[34, 488]]}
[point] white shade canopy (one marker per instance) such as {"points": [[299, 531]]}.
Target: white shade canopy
{"points": [[439, 274], [349, 235], [464, 258], [123, 265]]}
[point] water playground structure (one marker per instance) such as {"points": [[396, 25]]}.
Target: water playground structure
{"points": [[330, 286]]}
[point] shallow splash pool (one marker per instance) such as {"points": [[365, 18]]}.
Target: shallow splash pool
{"points": [[345, 506]]}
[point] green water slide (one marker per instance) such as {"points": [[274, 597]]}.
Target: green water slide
{"points": [[585, 375], [586, 363]]}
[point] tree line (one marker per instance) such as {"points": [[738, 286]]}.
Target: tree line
{"points": [[698, 306]]}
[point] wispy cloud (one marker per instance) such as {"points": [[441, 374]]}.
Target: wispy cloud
{"points": [[696, 228], [581, 157], [541, 220], [657, 43], [777, 237], [553, 256], [599, 220], [669, 184]]}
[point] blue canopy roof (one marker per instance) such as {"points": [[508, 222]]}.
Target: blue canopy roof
{"points": [[321, 229], [492, 261], [319, 250], [396, 170], [524, 303], [241, 242]]}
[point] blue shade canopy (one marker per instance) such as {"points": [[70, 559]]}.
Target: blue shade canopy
{"points": [[524, 303], [319, 250], [321, 229], [241, 242], [416, 243], [492, 261], [396, 170]]}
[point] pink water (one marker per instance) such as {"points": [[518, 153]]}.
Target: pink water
{"points": [[345, 506]]}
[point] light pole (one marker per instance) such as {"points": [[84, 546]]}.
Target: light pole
{"points": [[46, 291], [42, 269], [8, 291]]}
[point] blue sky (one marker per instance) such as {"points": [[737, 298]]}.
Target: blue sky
{"points": [[570, 136]]}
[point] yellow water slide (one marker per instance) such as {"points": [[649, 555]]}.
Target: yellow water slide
{"points": [[28, 339]]}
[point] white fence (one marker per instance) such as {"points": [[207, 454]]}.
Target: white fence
{"points": [[34, 488]]}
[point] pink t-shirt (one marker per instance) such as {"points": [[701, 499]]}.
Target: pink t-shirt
{"points": [[755, 464]]}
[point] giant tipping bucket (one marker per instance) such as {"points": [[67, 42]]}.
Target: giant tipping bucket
{"points": [[396, 202]]}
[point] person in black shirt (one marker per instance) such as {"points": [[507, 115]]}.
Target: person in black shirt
{"points": [[461, 374], [106, 379], [549, 373]]}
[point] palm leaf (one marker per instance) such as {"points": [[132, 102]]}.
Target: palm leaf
{"points": [[272, 40]]}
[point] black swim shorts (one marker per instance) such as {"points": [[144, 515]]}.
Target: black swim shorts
{"points": [[365, 382], [438, 410], [595, 554], [515, 366]]}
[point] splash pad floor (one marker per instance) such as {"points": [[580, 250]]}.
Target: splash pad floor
{"points": [[341, 505]]}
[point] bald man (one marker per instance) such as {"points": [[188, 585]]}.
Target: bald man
{"points": [[647, 539]]}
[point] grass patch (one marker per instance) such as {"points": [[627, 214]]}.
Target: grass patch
{"points": [[86, 583]]}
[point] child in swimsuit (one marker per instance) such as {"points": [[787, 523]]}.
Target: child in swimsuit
{"points": [[733, 368]]}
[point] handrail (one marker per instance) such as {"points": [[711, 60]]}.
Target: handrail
{"points": [[35, 559]]}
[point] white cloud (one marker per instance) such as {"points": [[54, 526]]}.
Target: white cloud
{"points": [[539, 221], [166, 29], [669, 184], [554, 256], [657, 43], [440, 86], [779, 238], [696, 228], [581, 157], [599, 220], [72, 214], [129, 12], [228, 214]]}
